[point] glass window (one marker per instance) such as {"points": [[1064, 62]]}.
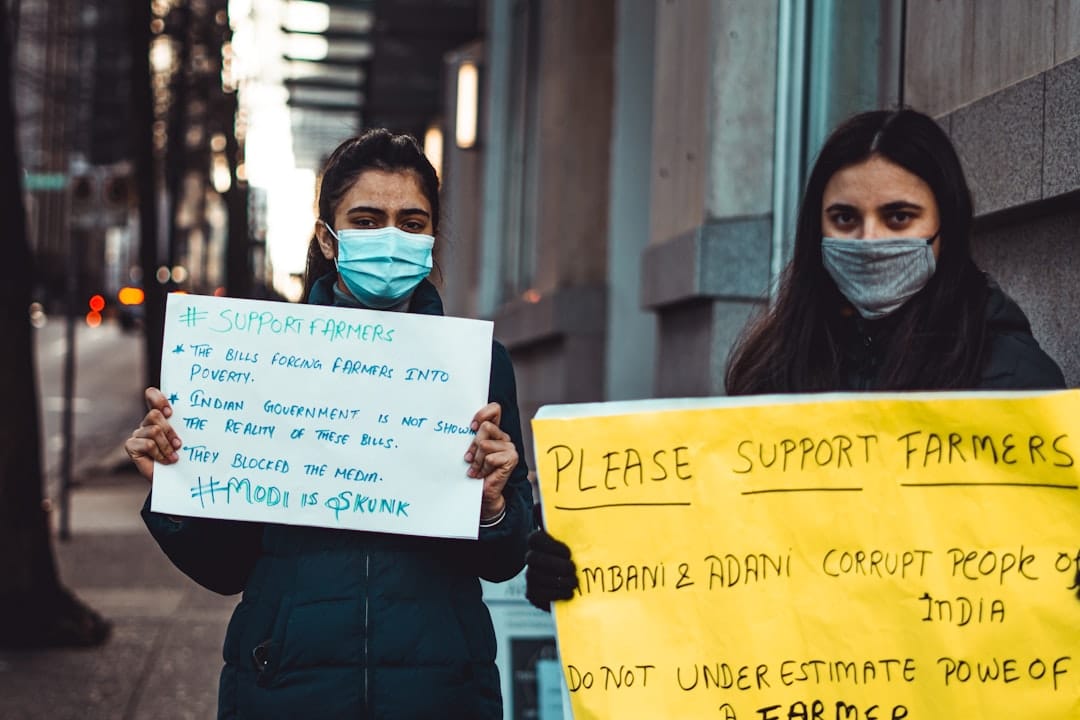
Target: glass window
{"points": [[834, 58], [519, 232], [518, 261], [855, 63]]}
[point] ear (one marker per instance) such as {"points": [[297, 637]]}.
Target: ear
{"points": [[327, 243]]}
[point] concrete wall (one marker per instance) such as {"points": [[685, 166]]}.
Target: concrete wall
{"points": [[741, 110], [707, 266], [961, 50], [1037, 261], [490, 195], [1004, 79], [631, 330], [679, 137]]}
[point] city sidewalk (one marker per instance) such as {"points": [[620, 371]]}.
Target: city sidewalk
{"points": [[163, 657]]}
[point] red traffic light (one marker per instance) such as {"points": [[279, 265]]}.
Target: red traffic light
{"points": [[97, 303]]}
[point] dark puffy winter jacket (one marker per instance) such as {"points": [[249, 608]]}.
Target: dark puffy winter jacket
{"points": [[1014, 360], [349, 624]]}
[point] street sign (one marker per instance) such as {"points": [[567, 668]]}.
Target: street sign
{"points": [[45, 180]]}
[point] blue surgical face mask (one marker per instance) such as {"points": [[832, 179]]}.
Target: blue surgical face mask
{"points": [[879, 276], [381, 266]]}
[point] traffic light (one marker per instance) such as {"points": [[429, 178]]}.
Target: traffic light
{"points": [[84, 200], [97, 304], [116, 192], [82, 190]]}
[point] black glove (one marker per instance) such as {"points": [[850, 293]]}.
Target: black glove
{"points": [[550, 574]]}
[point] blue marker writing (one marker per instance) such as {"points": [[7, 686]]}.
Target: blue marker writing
{"points": [[219, 374], [200, 399], [426, 375], [200, 454]]}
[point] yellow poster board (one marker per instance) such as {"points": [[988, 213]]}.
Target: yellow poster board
{"points": [[819, 556]]}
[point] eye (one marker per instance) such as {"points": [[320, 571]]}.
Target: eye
{"points": [[364, 223], [842, 218], [413, 226], [899, 218]]}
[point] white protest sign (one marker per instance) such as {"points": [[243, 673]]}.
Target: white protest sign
{"points": [[322, 416]]}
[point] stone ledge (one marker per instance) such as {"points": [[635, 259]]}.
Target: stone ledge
{"points": [[565, 311], [999, 139], [1061, 147], [727, 259], [1019, 145]]}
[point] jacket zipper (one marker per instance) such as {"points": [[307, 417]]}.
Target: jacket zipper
{"points": [[867, 366]]}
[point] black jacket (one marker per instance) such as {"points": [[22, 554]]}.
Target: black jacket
{"points": [[1013, 358], [348, 624]]}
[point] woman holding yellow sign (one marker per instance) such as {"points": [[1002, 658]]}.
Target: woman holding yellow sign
{"points": [[882, 293], [344, 624]]}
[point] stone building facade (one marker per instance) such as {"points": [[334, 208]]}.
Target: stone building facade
{"points": [[631, 198]]}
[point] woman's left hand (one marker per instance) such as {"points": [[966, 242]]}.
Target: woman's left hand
{"points": [[491, 457]]}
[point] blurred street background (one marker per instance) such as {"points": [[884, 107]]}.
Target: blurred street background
{"points": [[619, 186], [108, 363]]}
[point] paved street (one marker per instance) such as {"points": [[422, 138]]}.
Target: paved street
{"points": [[107, 398], [164, 654]]}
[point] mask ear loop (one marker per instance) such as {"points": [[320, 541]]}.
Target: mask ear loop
{"points": [[929, 241], [329, 229], [335, 236]]}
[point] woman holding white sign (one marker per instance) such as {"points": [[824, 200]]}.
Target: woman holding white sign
{"points": [[349, 624], [882, 293]]}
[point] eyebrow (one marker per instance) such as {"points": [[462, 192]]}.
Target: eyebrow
{"points": [[901, 205], [380, 211], [887, 207]]}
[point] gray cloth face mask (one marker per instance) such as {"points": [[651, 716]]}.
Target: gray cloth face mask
{"points": [[879, 276]]}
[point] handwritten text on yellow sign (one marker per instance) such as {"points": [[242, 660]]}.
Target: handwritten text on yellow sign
{"points": [[819, 557]]}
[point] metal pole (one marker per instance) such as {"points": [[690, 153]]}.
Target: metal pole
{"points": [[68, 431]]}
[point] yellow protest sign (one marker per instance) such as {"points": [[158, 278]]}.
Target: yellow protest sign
{"points": [[819, 557]]}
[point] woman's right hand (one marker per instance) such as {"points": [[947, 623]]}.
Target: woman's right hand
{"points": [[154, 440], [550, 574]]}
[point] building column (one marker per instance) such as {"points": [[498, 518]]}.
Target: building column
{"points": [[631, 329], [707, 267]]}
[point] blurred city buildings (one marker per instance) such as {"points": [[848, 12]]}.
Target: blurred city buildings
{"points": [[79, 124]]}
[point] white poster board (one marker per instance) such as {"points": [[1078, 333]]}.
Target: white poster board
{"points": [[322, 416]]}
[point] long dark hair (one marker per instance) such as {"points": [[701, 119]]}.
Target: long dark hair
{"points": [[374, 149], [936, 339]]}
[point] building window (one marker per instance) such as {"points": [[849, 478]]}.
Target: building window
{"points": [[855, 63], [834, 58], [519, 220]]}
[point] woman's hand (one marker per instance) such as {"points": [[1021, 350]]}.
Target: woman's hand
{"points": [[154, 439], [491, 457]]}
